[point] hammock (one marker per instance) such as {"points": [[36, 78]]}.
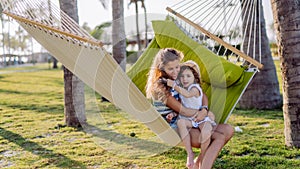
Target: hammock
{"points": [[223, 81], [87, 59], [225, 70]]}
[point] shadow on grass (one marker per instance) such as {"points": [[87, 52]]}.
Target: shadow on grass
{"points": [[23, 93], [266, 114], [56, 159], [38, 108], [126, 145]]}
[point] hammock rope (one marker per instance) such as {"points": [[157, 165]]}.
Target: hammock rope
{"points": [[222, 26]]}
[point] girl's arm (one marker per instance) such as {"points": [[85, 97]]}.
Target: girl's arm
{"points": [[193, 92]]}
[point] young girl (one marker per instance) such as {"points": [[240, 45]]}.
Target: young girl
{"points": [[191, 96]]}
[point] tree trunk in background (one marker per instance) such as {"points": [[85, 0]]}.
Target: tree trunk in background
{"points": [[54, 63], [146, 26], [263, 92], [74, 87], [287, 25], [3, 39], [52, 58], [118, 33], [138, 38]]}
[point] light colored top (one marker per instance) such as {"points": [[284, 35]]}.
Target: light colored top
{"points": [[192, 102]]}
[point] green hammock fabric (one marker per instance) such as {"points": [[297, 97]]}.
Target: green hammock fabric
{"points": [[223, 81]]}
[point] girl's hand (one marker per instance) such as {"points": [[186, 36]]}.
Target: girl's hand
{"points": [[170, 82]]}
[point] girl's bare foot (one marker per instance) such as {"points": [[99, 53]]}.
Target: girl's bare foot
{"points": [[190, 161], [197, 163]]}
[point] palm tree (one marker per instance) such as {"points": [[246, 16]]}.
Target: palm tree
{"points": [[3, 40], [146, 26], [22, 40], [86, 27], [74, 87], [286, 20], [51, 16], [263, 92], [99, 30], [137, 22], [118, 33]]}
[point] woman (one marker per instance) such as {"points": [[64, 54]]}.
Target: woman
{"points": [[166, 65]]}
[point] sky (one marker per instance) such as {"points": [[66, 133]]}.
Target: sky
{"points": [[92, 12]]}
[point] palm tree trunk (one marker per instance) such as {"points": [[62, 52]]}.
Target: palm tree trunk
{"points": [[118, 33], [3, 39], [286, 19], [74, 87], [9, 44], [146, 26], [137, 25], [50, 20], [263, 92]]}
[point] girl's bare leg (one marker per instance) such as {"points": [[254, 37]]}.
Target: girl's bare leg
{"points": [[206, 132], [183, 127], [222, 134], [204, 139]]}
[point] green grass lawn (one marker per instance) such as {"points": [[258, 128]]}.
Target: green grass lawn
{"points": [[33, 135]]}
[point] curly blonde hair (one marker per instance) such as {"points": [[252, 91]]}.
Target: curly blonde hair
{"points": [[154, 88]]}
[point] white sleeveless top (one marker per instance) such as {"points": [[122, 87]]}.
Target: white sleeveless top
{"points": [[192, 102]]}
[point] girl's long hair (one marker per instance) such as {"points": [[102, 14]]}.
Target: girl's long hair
{"points": [[154, 88]]}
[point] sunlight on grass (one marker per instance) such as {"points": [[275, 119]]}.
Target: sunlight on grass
{"points": [[278, 72]]}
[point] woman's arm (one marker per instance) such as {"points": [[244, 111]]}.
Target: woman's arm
{"points": [[204, 100], [177, 107]]}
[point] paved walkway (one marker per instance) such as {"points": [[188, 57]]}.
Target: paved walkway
{"points": [[3, 70]]}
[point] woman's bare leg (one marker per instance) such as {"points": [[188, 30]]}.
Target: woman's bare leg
{"points": [[226, 129], [183, 127], [220, 137], [222, 134]]}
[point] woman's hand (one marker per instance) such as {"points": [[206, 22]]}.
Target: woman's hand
{"points": [[211, 115], [200, 115], [170, 116]]}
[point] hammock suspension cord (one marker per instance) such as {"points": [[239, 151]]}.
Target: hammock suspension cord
{"points": [[236, 24]]}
